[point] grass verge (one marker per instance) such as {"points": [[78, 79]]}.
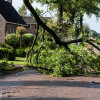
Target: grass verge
{"points": [[17, 61], [9, 70]]}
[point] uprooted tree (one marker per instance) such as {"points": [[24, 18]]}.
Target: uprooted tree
{"points": [[76, 12]]}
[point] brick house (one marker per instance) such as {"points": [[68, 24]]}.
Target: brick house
{"points": [[31, 28], [9, 19], [31, 22]]}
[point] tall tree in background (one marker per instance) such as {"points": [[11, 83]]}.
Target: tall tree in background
{"points": [[20, 31], [54, 35], [72, 11], [22, 10]]}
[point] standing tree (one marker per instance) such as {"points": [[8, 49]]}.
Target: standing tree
{"points": [[22, 10], [20, 31], [71, 11], [56, 38]]}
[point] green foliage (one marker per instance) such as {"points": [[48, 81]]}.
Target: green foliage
{"points": [[4, 64], [22, 10], [11, 54], [6, 51], [12, 40], [27, 39], [61, 62], [21, 30], [95, 34], [17, 61], [6, 68], [20, 52], [2, 45], [3, 53]]}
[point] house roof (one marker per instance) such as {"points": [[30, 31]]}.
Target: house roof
{"points": [[29, 20], [9, 13]]}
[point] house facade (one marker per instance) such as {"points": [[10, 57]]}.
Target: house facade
{"points": [[31, 24], [9, 19], [2, 30]]}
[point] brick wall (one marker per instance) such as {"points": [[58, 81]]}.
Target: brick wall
{"points": [[32, 29], [2, 30], [11, 28]]}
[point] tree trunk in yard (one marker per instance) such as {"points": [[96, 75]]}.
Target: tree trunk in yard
{"points": [[20, 40], [60, 17]]}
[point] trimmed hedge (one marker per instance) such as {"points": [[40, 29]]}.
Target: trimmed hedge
{"points": [[27, 39], [6, 51], [2, 45], [20, 53], [12, 40]]}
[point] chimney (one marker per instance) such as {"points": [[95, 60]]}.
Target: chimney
{"points": [[10, 1]]}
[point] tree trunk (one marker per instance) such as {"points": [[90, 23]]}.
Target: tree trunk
{"points": [[20, 40], [81, 21], [60, 17], [56, 38]]}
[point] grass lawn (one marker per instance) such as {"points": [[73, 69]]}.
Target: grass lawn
{"points": [[17, 61], [11, 69]]}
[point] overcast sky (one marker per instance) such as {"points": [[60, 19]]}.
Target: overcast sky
{"points": [[92, 22]]}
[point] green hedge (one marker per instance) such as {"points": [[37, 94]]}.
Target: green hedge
{"points": [[6, 51], [12, 40], [20, 53], [27, 39], [5, 46]]}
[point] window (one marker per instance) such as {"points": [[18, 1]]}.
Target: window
{"points": [[10, 30], [14, 31], [29, 26]]}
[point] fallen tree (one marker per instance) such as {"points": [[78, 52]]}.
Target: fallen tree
{"points": [[57, 41]]}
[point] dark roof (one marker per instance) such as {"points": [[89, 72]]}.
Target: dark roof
{"points": [[9, 13], [29, 20], [46, 19]]}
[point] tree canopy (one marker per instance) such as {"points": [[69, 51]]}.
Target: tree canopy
{"points": [[45, 27], [72, 58], [22, 10]]}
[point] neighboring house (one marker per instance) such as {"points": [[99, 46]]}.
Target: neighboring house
{"points": [[31, 22], [9, 19], [31, 28]]}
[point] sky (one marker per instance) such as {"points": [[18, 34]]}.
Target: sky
{"points": [[92, 22]]}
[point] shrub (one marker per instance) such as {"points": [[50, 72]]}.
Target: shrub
{"points": [[12, 40], [6, 51], [11, 54], [3, 53], [21, 52], [5, 46], [20, 31], [27, 39]]}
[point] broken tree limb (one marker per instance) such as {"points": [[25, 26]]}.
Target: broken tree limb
{"points": [[44, 26]]}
